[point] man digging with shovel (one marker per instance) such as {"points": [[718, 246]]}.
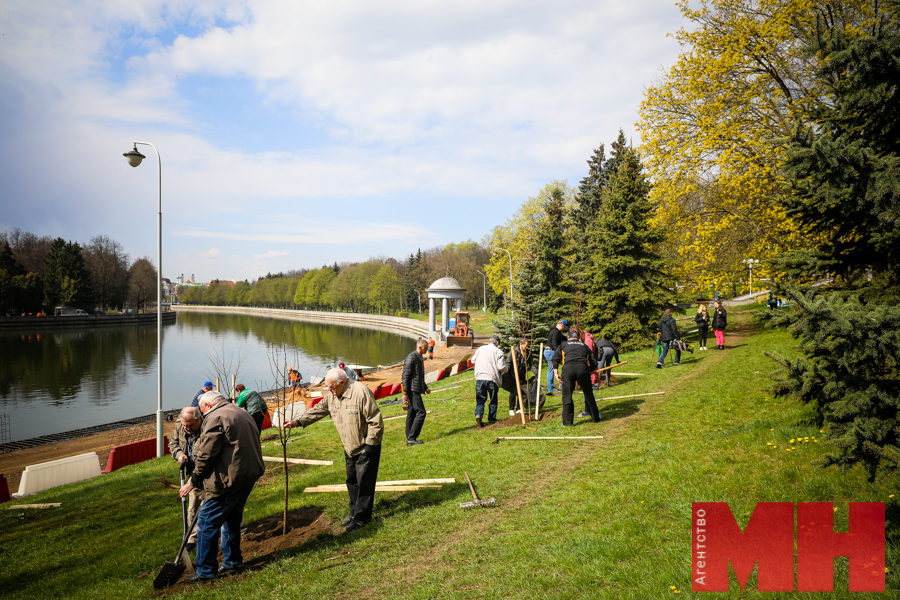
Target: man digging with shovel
{"points": [[227, 463], [181, 448]]}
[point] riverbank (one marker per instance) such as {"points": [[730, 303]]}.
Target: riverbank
{"points": [[410, 328], [52, 322]]}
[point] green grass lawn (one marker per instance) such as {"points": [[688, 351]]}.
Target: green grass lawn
{"points": [[607, 518]]}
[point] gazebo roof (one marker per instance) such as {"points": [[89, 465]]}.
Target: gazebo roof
{"points": [[445, 284]]}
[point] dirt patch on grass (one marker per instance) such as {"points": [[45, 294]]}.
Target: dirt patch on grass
{"points": [[263, 541]]}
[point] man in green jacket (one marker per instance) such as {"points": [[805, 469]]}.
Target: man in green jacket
{"points": [[358, 421], [253, 403]]}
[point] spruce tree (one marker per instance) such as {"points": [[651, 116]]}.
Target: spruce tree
{"points": [[844, 168], [624, 275], [850, 374]]}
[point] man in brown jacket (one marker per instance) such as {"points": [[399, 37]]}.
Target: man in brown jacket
{"points": [[227, 463], [358, 421]]}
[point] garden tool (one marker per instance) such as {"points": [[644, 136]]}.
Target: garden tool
{"points": [[476, 503]]}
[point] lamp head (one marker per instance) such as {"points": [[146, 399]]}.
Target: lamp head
{"points": [[134, 157]]}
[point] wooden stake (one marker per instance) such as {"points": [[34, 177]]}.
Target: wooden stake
{"points": [[624, 362], [512, 357], [632, 396], [233, 384], [537, 384], [298, 461]]}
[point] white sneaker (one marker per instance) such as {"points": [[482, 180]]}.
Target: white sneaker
{"points": [[518, 412], [512, 413]]}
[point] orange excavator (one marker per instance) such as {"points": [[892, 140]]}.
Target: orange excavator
{"points": [[461, 334]]}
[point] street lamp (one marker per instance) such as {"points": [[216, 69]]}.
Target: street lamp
{"points": [[484, 285], [510, 276], [419, 297], [134, 159], [749, 262]]}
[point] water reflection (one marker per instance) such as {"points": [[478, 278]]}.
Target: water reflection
{"points": [[58, 381]]}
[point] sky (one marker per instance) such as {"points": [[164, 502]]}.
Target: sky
{"points": [[293, 134]]}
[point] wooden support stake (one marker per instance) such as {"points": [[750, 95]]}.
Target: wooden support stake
{"points": [[537, 384], [233, 383], [632, 396], [298, 461], [515, 364]]}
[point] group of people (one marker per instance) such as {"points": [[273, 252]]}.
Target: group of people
{"points": [[216, 441], [670, 338]]}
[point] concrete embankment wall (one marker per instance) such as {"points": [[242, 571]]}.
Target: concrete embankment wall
{"points": [[53, 322], [410, 328]]}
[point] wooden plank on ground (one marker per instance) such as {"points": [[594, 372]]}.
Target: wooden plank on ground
{"points": [[551, 437], [427, 412], [631, 396], [44, 505], [378, 488], [619, 373], [395, 482], [299, 461]]}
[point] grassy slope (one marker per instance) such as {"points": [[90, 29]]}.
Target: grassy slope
{"points": [[575, 519]]}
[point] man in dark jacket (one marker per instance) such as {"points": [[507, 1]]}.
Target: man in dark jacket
{"points": [[554, 340], [227, 463], [413, 380], [668, 335], [573, 363]]}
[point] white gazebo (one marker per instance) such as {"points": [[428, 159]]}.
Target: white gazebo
{"points": [[444, 289]]}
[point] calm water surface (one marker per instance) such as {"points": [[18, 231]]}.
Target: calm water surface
{"points": [[58, 381]]}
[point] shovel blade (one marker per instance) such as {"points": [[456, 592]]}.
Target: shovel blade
{"points": [[168, 575]]}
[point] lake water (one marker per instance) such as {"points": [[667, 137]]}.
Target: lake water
{"points": [[52, 382]]}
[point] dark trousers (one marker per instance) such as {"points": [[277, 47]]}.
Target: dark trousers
{"points": [[362, 473], [258, 419], [606, 359], [570, 376], [220, 514], [486, 391], [701, 334], [415, 415]]}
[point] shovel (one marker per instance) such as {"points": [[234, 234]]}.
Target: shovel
{"points": [[185, 555], [171, 571]]}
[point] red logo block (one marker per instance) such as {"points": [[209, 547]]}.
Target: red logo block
{"points": [[767, 543]]}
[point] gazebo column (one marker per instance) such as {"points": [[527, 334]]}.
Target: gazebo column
{"points": [[445, 314], [431, 326]]}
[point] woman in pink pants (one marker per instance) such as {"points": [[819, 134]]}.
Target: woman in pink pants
{"points": [[719, 321]]}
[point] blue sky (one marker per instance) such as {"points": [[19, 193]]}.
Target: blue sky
{"points": [[295, 134]]}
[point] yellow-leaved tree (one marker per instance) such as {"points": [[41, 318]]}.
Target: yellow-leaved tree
{"points": [[714, 131]]}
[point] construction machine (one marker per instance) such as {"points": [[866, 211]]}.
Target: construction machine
{"points": [[461, 334]]}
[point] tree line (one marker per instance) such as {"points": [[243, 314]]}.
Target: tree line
{"points": [[38, 274]]}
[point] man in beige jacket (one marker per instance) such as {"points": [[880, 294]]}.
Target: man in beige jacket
{"points": [[358, 421], [227, 463]]}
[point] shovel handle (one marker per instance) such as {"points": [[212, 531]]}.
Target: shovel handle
{"points": [[471, 487]]}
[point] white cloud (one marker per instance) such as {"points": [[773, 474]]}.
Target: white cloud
{"points": [[272, 254], [211, 253]]}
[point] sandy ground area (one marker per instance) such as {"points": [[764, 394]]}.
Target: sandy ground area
{"points": [[13, 463]]}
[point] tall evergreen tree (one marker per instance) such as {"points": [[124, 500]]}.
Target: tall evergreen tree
{"points": [[66, 278], [625, 274], [845, 169]]}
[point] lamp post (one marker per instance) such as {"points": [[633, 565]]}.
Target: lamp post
{"points": [[510, 276], [419, 297], [484, 290], [749, 262], [134, 159]]}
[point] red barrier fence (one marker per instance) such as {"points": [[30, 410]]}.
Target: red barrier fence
{"points": [[133, 453]]}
